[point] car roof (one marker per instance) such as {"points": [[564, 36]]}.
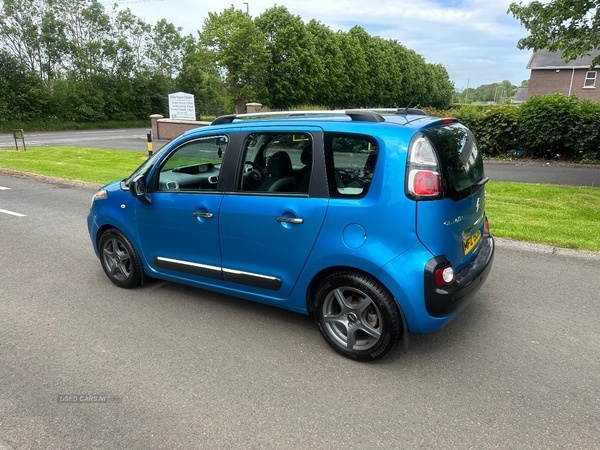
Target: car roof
{"points": [[414, 119], [371, 121]]}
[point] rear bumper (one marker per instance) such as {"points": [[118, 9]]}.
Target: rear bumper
{"points": [[442, 301]]}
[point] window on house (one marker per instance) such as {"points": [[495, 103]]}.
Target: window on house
{"points": [[590, 79]]}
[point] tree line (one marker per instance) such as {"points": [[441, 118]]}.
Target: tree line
{"points": [[495, 92], [79, 60]]}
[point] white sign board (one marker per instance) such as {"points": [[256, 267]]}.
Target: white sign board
{"points": [[181, 106]]}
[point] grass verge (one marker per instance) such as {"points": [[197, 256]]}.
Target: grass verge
{"points": [[91, 165], [562, 216]]}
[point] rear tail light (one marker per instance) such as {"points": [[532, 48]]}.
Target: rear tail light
{"points": [[486, 227], [424, 182], [422, 170], [444, 275]]}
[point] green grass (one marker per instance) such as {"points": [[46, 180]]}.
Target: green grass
{"points": [[92, 165], [563, 216]]}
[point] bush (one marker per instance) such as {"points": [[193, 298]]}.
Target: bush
{"points": [[548, 127], [555, 126], [500, 130], [496, 128]]}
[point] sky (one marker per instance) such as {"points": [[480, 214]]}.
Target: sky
{"points": [[476, 40]]}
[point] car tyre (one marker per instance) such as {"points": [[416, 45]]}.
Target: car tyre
{"points": [[119, 259], [357, 315]]}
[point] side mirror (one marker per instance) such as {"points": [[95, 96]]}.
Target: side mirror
{"points": [[137, 188]]}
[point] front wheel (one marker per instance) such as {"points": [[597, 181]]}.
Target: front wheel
{"points": [[357, 315], [119, 259]]}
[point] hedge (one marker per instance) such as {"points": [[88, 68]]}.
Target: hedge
{"points": [[547, 127]]}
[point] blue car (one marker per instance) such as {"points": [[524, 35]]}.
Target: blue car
{"points": [[372, 221]]}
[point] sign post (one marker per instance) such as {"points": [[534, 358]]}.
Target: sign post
{"points": [[182, 106], [149, 137], [18, 134]]}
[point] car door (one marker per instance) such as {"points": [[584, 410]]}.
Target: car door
{"points": [[178, 230], [271, 220]]}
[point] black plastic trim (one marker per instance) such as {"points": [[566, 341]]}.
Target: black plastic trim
{"points": [[442, 301], [250, 279], [365, 115], [234, 276], [224, 119], [191, 268]]}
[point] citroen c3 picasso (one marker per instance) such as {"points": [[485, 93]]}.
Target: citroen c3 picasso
{"points": [[372, 221]]}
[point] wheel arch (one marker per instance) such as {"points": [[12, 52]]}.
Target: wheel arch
{"points": [[145, 279], [324, 273], [111, 226]]}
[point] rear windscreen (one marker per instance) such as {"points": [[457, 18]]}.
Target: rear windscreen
{"points": [[460, 159]]}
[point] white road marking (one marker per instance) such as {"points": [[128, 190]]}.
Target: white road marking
{"points": [[12, 213], [2, 188]]}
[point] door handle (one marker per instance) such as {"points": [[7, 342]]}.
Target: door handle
{"points": [[206, 215], [294, 220]]}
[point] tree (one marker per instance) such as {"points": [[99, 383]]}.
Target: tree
{"points": [[236, 45], [439, 87], [329, 65], [22, 94], [167, 48], [355, 88], [569, 26], [201, 78], [31, 32], [292, 64]]}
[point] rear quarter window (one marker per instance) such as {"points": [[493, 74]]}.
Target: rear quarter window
{"points": [[460, 159], [351, 159]]}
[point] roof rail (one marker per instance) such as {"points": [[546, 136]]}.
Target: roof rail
{"points": [[224, 119], [362, 115], [365, 115]]}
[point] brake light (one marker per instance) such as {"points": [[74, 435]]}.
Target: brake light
{"points": [[486, 227], [423, 178], [424, 182], [444, 275]]}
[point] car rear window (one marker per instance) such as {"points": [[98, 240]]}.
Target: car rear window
{"points": [[461, 161]]}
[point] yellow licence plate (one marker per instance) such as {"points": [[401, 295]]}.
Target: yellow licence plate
{"points": [[470, 242]]}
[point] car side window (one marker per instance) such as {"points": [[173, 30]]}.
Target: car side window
{"points": [[193, 166], [353, 159], [276, 163]]}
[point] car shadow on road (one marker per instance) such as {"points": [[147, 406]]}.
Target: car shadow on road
{"points": [[445, 345]]}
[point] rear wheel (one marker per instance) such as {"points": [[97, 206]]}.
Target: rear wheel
{"points": [[119, 259], [357, 315]]}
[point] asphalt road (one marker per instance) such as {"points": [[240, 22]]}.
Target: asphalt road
{"points": [[135, 139], [189, 369], [120, 139]]}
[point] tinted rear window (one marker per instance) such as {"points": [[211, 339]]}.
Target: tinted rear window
{"points": [[461, 160]]}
